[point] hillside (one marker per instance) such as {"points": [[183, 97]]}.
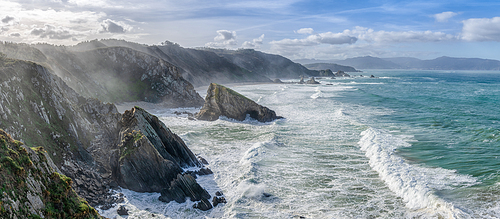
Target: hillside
{"points": [[269, 65], [111, 74]]}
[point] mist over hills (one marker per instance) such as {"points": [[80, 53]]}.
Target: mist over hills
{"points": [[441, 63]]}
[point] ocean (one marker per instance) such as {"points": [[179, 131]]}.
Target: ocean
{"points": [[407, 144]]}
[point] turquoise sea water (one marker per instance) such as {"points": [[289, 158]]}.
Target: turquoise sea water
{"points": [[408, 144]]}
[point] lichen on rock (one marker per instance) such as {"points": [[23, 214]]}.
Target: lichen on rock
{"points": [[222, 101], [33, 187]]}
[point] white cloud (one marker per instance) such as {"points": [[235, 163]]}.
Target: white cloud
{"points": [[224, 38], [112, 26], [305, 31], [52, 32], [481, 29], [317, 39], [444, 16], [370, 35], [255, 43]]}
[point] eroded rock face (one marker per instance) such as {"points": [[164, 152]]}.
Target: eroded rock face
{"points": [[34, 186], [150, 155], [222, 101]]}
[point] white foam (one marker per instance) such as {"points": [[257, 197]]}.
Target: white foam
{"points": [[317, 94], [414, 184]]}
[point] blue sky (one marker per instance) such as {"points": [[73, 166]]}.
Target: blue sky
{"points": [[292, 28]]}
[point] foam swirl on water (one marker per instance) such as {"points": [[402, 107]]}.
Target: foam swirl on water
{"points": [[414, 184]]}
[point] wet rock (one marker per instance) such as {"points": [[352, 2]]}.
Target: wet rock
{"points": [[222, 101], [151, 156], [341, 74], [277, 81], [122, 210], [184, 186], [219, 193], [267, 195], [312, 81], [202, 160], [218, 200], [204, 171], [203, 205]]}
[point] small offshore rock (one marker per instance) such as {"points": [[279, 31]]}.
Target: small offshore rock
{"points": [[267, 195], [122, 210], [312, 81], [277, 81], [218, 200], [222, 101], [219, 193]]}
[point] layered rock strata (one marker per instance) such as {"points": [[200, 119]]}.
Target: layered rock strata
{"points": [[89, 141], [222, 101]]}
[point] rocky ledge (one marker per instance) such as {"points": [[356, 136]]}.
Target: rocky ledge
{"points": [[222, 101]]}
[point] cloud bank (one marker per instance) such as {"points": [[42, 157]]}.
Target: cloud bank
{"points": [[481, 29]]}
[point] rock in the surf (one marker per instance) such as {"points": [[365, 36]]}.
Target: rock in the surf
{"points": [[222, 101]]}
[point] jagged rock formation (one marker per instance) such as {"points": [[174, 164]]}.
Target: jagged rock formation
{"points": [[222, 101], [88, 140], [112, 74], [151, 156], [33, 186], [38, 108]]}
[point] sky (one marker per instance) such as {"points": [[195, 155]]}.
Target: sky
{"points": [[324, 30]]}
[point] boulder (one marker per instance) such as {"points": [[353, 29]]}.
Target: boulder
{"points": [[122, 211], [222, 101]]}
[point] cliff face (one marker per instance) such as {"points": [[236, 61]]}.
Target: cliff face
{"points": [[222, 101], [88, 140], [33, 187], [112, 74]]}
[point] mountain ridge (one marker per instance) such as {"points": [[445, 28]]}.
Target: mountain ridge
{"points": [[440, 63]]}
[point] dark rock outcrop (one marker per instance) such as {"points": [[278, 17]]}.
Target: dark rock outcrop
{"points": [[182, 187], [222, 101], [150, 155], [122, 210], [312, 81], [203, 205]]}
